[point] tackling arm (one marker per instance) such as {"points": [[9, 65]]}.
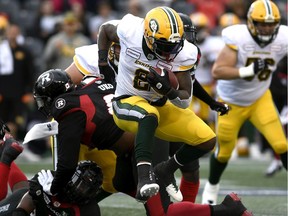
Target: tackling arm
{"points": [[200, 93], [107, 35]]}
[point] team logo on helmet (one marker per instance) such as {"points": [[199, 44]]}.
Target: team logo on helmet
{"points": [[60, 103], [153, 25], [46, 79]]}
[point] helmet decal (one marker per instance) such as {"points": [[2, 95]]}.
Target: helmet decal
{"points": [[46, 79], [153, 25]]}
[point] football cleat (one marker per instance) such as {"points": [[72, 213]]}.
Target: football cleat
{"points": [[210, 194], [147, 186], [234, 205], [169, 181], [275, 166]]}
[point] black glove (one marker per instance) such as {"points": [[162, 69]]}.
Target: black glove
{"points": [[37, 194], [108, 73], [35, 189], [160, 84], [12, 148], [3, 129], [220, 107], [104, 67], [259, 65]]}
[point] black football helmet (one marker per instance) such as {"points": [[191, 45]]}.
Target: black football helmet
{"points": [[189, 28], [85, 183], [48, 86]]}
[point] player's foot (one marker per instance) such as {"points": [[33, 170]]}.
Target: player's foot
{"points": [[275, 166], [234, 206], [147, 186], [169, 181], [210, 194], [11, 151]]}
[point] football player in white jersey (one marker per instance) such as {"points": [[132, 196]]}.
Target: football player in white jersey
{"points": [[243, 71], [145, 103]]}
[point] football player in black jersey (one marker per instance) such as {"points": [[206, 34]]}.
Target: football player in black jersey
{"points": [[84, 116], [77, 198]]}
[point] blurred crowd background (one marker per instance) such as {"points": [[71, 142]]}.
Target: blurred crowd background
{"points": [[36, 35]]}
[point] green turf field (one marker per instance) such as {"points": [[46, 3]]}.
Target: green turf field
{"points": [[261, 195]]}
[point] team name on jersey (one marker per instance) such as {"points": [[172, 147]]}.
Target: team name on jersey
{"points": [[159, 64], [262, 52], [142, 64], [105, 86]]}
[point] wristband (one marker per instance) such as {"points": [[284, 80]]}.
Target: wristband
{"points": [[246, 71], [102, 55]]}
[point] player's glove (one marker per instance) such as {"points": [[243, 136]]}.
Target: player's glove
{"points": [[35, 189], [45, 179], [3, 129], [104, 67], [258, 65], [254, 68], [160, 84], [220, 107], [37, 194]]}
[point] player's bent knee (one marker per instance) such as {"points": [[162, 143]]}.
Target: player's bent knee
{"points": [[223, 159]]}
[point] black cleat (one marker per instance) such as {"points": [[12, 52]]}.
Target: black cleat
{"points": [[147, 186], [169, 181]]}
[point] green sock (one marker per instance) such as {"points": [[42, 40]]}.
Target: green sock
{"points": [[216, 170], [144, 138]]}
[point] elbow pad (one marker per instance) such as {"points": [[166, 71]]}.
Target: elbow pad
{"points": [[181, 103]]}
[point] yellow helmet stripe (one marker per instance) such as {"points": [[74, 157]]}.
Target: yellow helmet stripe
{"points": [[172, 19]]}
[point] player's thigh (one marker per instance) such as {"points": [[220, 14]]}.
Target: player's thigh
{"points": [[182, 125], [105, 159], [266, 119], [129, 111]]}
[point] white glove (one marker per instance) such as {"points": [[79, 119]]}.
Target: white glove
{"points": [[45, 179]]}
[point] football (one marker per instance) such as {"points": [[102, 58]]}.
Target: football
{"points": [[172, 77]]}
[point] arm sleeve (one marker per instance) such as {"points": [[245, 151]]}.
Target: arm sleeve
{"points": [[70, 128], [200, 93]]}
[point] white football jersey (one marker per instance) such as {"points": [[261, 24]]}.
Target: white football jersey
{"points": [[210, 49], [86, 59], [133, 63], [244, 92]]}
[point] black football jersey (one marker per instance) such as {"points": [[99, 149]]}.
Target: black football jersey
{"points": [[94, 100]]}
